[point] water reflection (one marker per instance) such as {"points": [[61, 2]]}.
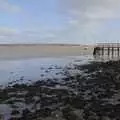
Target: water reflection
{"points": [[41, 68], [35, 69], [106, 58]]}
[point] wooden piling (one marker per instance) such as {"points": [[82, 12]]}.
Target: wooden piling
{"points": [[118, 50], [108, 51], [102, 50], [112, 49]]}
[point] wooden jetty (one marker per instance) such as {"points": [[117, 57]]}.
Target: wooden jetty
{"points": [[109, 49]]}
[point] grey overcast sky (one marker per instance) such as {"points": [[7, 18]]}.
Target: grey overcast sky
{"points": [[59, 21]]}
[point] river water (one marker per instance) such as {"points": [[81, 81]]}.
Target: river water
{"points": [[36, 68]]}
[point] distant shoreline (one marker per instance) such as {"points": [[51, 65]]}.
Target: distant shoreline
{"points": [[9, 51], [35, 44]]}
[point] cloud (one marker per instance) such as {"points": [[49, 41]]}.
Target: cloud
{"points": [[7, 32], [8, 7], [86, 21], [10, 35], [87, 18], [91, 9]]}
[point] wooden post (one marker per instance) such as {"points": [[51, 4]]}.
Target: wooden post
{"points": [[112, 51], [118, 50], [103, 50], [108, 51]]}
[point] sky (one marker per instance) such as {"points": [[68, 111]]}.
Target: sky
{"points": [[59, 21]]}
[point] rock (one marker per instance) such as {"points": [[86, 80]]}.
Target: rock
{"points": [[73, 114], [77, 102], [57, 115], [106, 118], [15, 112], [15, 118], [25, 112], [44, 112], [117, 79]]}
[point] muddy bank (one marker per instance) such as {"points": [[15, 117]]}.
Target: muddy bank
{"points": [[93, 93], [26, 51]]}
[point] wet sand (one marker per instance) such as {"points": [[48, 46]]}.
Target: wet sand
{"points": [[17, 51]]}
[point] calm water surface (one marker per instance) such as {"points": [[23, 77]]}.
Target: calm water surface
{"points": [[34, 68]]}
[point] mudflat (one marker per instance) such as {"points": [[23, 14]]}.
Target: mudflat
{"points": [[9, 51]]}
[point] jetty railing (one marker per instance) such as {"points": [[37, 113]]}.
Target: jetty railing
{"points": [[109, 49]]}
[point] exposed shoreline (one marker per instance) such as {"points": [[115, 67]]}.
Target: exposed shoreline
{"points": [[94, 94]]}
